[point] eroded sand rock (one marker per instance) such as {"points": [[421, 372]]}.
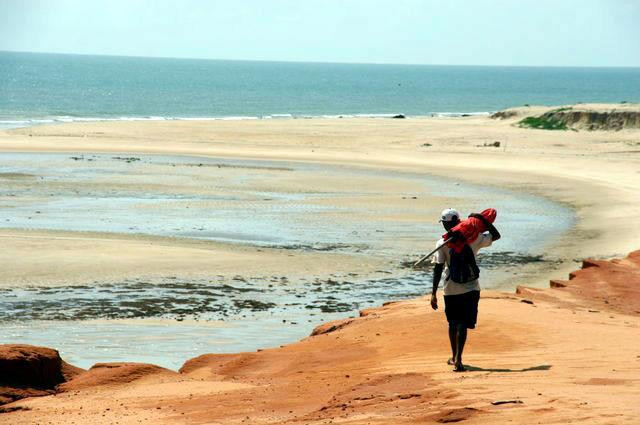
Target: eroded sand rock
{"points": [[590, 117], [31, 371], [607, 285], [596, 120]]}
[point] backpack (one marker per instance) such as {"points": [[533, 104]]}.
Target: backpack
{"points": [[462, 265]]}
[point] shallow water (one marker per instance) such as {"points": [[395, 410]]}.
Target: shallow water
{"points": [[173, 319], [216, 199]]}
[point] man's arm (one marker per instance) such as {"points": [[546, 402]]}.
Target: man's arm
{"points": [[495, 235], [437, 274]]}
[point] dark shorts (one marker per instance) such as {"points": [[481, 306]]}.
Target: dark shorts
{"points": [[462, 308]]}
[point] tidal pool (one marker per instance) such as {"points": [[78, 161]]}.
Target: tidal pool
{"points": [[269, 203]]}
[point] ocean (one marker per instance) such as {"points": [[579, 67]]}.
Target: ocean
{"points": [[44, 88]]}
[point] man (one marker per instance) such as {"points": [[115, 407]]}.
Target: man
{"points": [[460, 299]]}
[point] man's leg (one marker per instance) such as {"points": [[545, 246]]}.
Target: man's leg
{"points": [[470, 313], [461, 338], [452, 340]]}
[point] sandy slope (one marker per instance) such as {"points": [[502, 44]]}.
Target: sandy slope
{"points": [[552, 359]]}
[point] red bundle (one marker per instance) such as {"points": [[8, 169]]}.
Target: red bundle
{"points": [[468, 230]]}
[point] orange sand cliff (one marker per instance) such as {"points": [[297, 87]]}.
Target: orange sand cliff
{"points": [[568, 354]]}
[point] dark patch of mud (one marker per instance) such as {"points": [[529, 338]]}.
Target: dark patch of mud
{"points": [[493, 260], [213, 299], [220, 165], [323, 247], [130, 299], [127, 159], [84, 158], [189, 162]]}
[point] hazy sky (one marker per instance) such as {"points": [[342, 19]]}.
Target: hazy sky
{"points": [[482, 32]]}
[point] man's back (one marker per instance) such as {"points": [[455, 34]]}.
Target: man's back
{"points": [[443, 256]]}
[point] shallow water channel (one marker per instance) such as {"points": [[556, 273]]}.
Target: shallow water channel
{"points": [[263, 203]]}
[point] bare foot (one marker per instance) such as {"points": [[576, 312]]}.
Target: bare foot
{"points": [[450, 362], [459, 367]]}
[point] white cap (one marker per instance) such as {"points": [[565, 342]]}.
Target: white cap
{"points": [[449, 214]]}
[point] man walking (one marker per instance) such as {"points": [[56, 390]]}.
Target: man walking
{"points": [[461, 297]]}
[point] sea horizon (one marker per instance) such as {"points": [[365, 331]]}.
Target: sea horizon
{"points": [[318, 62], [44, 88]]}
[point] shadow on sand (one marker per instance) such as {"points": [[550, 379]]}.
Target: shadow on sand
{"points": [[471, 368]]}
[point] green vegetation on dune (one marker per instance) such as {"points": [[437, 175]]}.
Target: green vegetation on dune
{"points": [[544, 123]]}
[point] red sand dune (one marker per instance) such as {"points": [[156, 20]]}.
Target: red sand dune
{"points": [[568, 354], [608, 285]]}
